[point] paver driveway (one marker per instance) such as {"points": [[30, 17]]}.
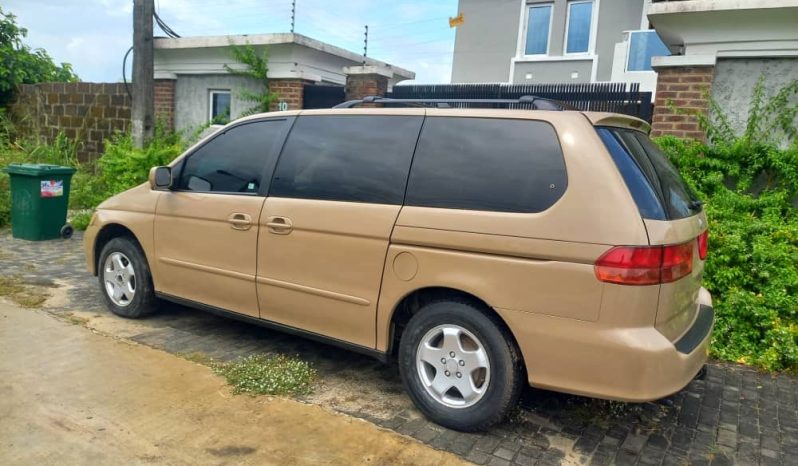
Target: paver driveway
{"points": [[735, 415]]}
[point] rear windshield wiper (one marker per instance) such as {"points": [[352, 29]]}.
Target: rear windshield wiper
{"points": [[695, 205]]}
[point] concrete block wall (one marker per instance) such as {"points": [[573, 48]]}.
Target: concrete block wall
{"points": [[86, 112]]}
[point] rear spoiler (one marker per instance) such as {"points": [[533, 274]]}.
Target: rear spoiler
{"points": [[617, 120]]}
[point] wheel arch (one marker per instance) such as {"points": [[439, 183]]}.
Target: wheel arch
{"points": [[106, 234], [415, 300]]}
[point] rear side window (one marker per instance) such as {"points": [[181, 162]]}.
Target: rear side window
{"points": [[655, 184], [234, 161], [489, 164], [347, 158]]}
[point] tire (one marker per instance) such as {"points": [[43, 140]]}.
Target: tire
{"points": [[500, 384], [139, 302]]}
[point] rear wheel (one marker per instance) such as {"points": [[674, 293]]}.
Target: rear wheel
{"points": [[459, 365], [125, 279]]}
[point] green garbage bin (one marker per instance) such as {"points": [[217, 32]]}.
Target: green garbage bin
{"points": [[39, 198]]}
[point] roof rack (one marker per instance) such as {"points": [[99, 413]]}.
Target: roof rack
{"points": [[536, 103]]}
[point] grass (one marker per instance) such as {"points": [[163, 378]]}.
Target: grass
{"points": [[268, 375], [21, 293]]}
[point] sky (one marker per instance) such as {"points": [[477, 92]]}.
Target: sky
{"points": [[93, 35]]}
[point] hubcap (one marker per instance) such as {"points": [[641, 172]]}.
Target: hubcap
{"points": [[119, 278], [453, 366]]}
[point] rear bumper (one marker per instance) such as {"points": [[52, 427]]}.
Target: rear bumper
{"points": [[628, 364]]}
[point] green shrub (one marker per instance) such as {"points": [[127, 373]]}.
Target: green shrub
{"points": [[269, 375], [750, 184]]}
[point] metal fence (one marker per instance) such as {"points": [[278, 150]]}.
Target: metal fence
{"points": [[321, 96], [601, 97]]}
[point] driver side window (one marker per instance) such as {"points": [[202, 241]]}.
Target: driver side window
{"points": [[233, 162]]}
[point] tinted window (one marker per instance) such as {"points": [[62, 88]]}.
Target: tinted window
{"points": [[347, 158], [234, 162], [487, 164], [676, 199]]}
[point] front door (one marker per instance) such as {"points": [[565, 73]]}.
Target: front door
{"points": [[206, 226], [326, 225]]}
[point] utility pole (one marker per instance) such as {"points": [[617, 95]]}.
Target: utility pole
{"points": [[143, 94]]}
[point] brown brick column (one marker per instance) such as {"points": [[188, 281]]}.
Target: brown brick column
{"points": [[686, 88], [362, 81], [165, 102], [290, 92]]}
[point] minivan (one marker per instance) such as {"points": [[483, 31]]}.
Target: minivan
{"points": [[480, 249]]}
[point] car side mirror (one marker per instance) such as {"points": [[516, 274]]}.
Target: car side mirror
{"points": [[160, 177]]}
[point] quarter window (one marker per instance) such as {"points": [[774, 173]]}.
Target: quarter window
{"points": [[538, 24], [219, 107], [577, 36], [487, 164], [354, 158], [234, 161]]}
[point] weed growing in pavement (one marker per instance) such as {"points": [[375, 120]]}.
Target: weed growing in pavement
{"points": [[268, 375]]}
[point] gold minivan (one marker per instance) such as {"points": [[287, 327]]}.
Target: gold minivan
{"points": [[482, 249]]}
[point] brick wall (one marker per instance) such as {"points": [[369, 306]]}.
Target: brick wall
{"points": [[290, 91], [362, 85], [165, 102], [687, 89], [86, 112]]}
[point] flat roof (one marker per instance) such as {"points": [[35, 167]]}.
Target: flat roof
{"points": [[167, 43]]}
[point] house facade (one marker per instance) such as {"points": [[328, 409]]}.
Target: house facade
{"points": [[555, 41], [193, 86], [721, 49]]}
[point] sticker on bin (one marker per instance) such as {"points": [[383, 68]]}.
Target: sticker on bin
{"points": [[52, 188]]}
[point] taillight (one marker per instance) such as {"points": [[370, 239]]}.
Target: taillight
{"points": [[703, 240], [645, 265]]}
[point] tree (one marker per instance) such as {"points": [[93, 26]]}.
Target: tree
{"points": [[20, 64], [257, 67]]}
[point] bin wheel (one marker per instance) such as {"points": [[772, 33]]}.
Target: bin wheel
{"points": [[67, 231]]}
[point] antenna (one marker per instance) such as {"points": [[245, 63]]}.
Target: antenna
{"points": [[293, 15], [365, 45]]}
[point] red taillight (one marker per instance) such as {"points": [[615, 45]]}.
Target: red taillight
{"points": [[703, 240], [645, 265]]}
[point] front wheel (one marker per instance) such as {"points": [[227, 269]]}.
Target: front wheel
{"points": [[125, 279], [460, 366]]}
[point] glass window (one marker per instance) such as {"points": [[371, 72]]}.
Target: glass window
{"points": [[234, 161], [487, 164], [356, 158], [220, 107], [537, 30], [642, 46], [675, 198], [577, 36]]}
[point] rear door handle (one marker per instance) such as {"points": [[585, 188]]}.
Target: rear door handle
{"points": [[239, 221], [279, 225]]}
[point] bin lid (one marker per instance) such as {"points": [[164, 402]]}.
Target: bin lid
{"points": [[38, 169]]}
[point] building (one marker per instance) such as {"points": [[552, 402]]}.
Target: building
{"points": [[193, 86], [555, 41], [721, 48]]}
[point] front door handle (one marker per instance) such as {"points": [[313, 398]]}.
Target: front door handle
{"points": [[279, 225], [239, 221]]}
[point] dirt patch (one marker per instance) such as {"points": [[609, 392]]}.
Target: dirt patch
{"points": [[26, 294]]}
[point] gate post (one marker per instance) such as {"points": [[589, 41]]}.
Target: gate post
{"points": [[366, 80]]}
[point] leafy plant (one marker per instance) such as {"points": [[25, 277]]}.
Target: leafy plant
{"points": [[750, 183], [269, 375], [257, 68], [19, 64]]}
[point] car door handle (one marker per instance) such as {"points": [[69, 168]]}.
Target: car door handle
{"points": [[279, 225], [240, 221]]}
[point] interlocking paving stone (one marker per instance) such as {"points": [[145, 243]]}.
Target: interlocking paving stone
{"points": [[735, 415]]}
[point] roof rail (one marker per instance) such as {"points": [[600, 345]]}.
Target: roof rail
{"points": [[537, 103]]}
